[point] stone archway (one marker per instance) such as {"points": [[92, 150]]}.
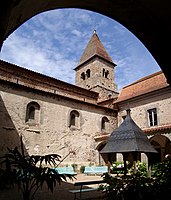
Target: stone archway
{"points": [[163, 145], [105, 158]]}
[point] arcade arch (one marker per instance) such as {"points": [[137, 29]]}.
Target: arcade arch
{"points": [[160, 142], [163, 145]]}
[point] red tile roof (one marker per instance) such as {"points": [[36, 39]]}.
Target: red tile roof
{"points": [[145, 85], [22, 76], [158, 129]]}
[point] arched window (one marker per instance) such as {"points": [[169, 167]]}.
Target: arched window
{"points": [[32, 112], [74, 119], [105, 73], [104, 123], [88, 73], [83, 75]]}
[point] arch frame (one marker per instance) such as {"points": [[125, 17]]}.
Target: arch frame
{"points": [[147, 20]]}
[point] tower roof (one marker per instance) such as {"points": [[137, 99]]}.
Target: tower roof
{"points": [[95, 48]]}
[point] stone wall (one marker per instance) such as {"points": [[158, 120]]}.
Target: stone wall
{"points": [[96, 78], [51, 133], [140, 105], [160, 134]]}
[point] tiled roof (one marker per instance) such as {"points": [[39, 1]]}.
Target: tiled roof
{"points": [[94, 48], [158, 129], [145, 85], [22, 76], [27, 79]]}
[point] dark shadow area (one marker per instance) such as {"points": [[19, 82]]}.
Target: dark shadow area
{"points": [[9, 136], [61, 192]]}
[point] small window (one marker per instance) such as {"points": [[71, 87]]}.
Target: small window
{"points": [[88, 73], [74, 119], [32, 112], [152, 117], [105, 73], [104, 123], [83, 76]]}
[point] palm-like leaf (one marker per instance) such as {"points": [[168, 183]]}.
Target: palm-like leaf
{"points": [[28, 171]]}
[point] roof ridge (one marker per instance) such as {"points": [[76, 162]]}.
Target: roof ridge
{"points": [[144, 78], [38, 75]]}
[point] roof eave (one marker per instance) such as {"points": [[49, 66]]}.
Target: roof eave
{"points": [[90, 58]]}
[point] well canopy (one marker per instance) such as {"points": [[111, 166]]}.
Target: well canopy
{"points": [[128, 137]]}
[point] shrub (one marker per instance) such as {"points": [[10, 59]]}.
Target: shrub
{"points": [[74, 167], [142, 169], [127, 187], [82, 169], [162, 174], [117, 168], [139, 186]]}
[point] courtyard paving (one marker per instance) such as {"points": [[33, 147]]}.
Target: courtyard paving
{"points": [[61, 192]]}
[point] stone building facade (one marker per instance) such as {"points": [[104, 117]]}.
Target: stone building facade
{"points": [[53, 116], [75, 121], [150, 102]]}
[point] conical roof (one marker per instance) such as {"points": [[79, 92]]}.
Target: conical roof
{"points": [[95, 48], [128, 137]]}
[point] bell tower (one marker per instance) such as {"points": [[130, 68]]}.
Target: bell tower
{"points": [[95, 70]]}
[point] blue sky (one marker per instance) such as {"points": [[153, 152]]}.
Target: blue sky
{"points": [[52, 43]]}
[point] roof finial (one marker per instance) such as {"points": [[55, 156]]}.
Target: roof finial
{"points": [[128, 111], [95, 27]]}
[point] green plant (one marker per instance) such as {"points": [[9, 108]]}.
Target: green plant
{"points": [[138, 186], [142, 169], [117, 168], [29, 173], [82, 169], [162, 174], [126, 187], [74, 167], [91, 164]]}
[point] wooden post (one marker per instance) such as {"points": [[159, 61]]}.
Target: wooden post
{"points": [[135, 155], [109, 165], [125, 167], [149, 164], [109, 162]]}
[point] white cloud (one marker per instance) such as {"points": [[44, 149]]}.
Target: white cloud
{"points": [[53, 42], [76, 33], [44, 61]]}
